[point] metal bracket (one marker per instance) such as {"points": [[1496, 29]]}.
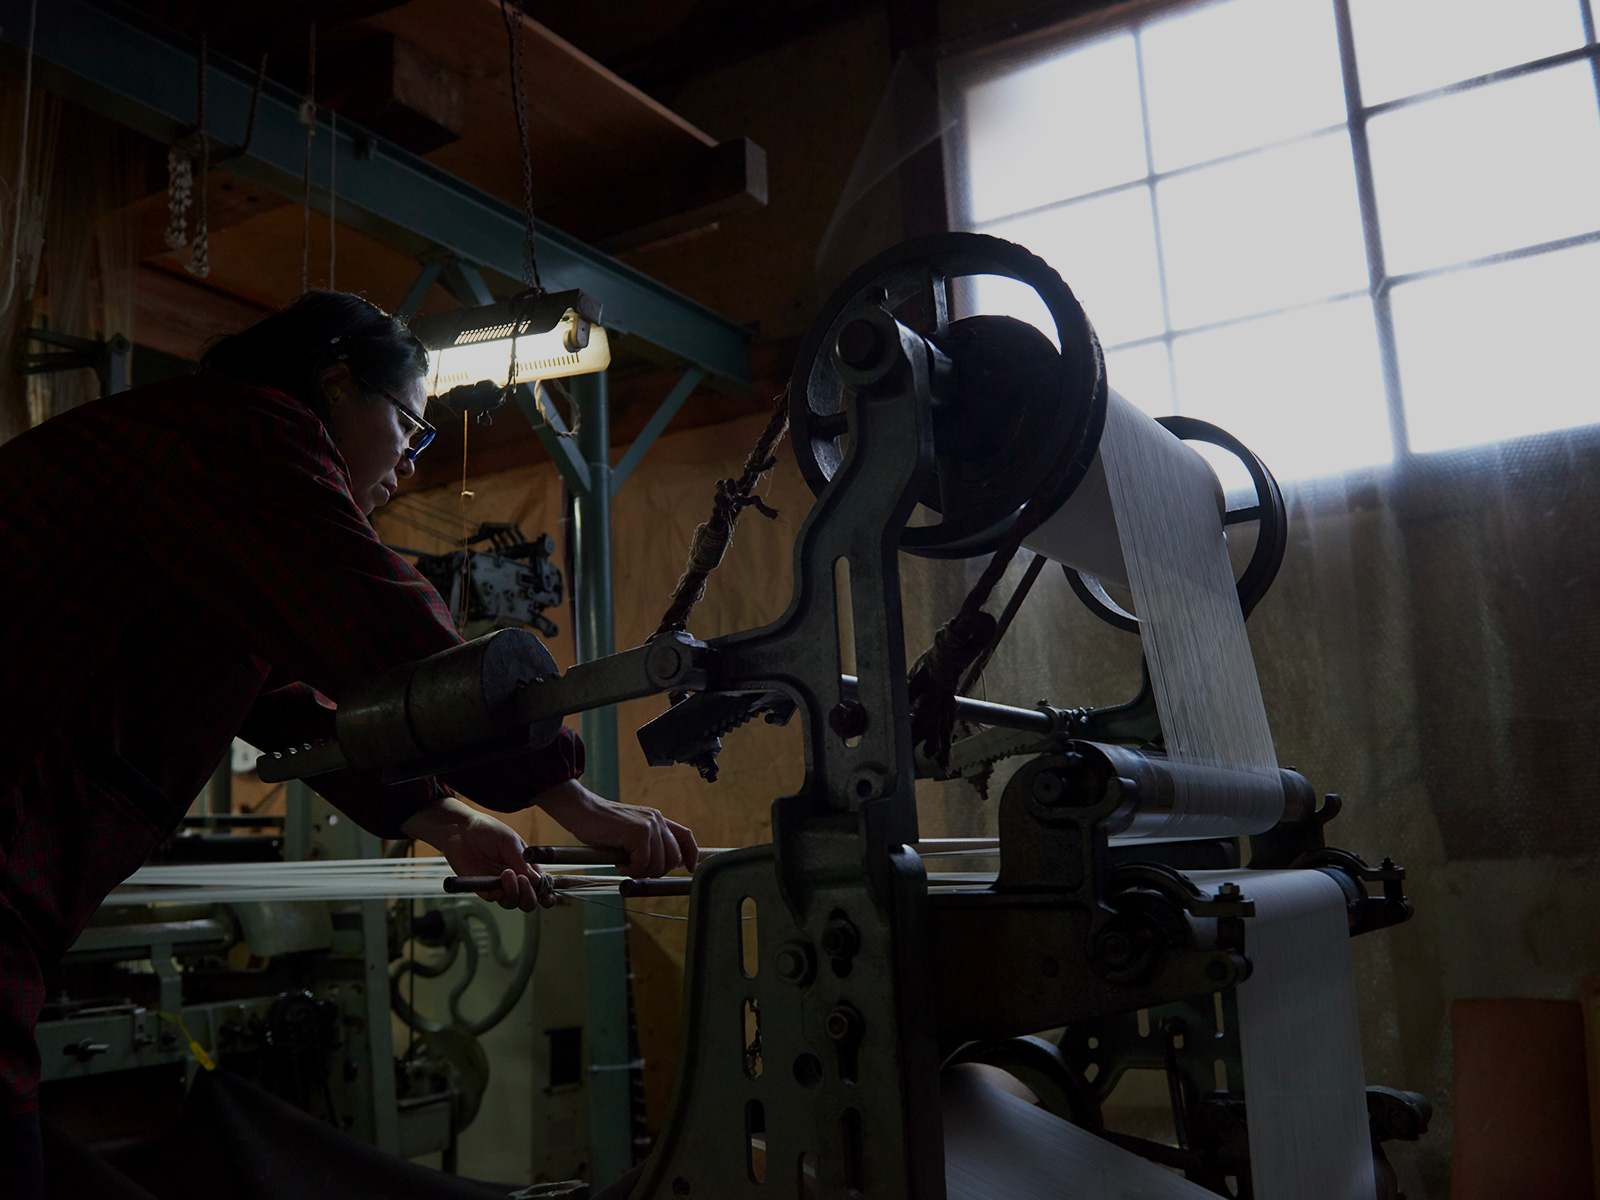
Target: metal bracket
{"points": [[106, 357]]}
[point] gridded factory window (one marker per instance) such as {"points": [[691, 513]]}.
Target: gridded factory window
{"points": [[1264, 203]]}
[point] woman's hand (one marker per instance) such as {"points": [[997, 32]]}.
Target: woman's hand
{"points": [[647, 844], [477, 844]]}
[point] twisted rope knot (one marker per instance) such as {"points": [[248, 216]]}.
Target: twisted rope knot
{"points": [[936, 677], [713, 535]]}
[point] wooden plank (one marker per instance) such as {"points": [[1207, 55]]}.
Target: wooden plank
{"points": [[587, 125], [649, 207], [177, 315], [1521, 1101], [259, 261], [229, 201]]}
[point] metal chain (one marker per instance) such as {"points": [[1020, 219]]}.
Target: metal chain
{"points": [[180, 184], [199, 264], [530, 258]]}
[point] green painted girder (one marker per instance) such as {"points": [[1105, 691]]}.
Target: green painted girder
{"points": [[116, 64]]}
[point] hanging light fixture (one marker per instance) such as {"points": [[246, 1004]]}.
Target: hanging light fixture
{"points": [[531, 336]]}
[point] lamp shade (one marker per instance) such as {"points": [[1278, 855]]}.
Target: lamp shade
{"points": [[556, 334]]}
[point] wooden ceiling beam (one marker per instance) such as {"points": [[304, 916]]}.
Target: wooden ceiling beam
{"points": [[686, 195], [178, 315]]}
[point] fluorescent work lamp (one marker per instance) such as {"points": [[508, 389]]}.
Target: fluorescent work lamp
{"points": [[556, 333]]}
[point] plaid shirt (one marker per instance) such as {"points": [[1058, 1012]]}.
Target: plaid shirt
{"points": [[183, 563]]}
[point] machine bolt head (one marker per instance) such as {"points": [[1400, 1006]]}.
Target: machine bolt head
{"points": [[845, 1024], [848, 719], [859, 345], [840, 939], [793, 963], [664, 661], [1048, 788]]}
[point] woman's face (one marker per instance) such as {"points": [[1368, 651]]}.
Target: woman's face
{"points": [[371, 433]]}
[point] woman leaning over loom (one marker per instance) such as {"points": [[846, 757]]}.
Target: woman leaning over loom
{"points": [[190, 561]]}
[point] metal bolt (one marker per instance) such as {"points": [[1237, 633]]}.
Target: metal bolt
{"points": [[845, 1024], [868, 783], [1228, 891], [1116, 949], [1048, 788], [794, 963], [664, 661], [848, 718], [859, 344], [840, 939]]}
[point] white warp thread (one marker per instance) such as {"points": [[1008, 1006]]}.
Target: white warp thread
{"points": [[1161, 499], [1304, 1085], [327, 879]]}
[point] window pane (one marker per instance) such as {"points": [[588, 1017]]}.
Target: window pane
{"points": [[1490, 169], [1500, 351], [1240, 74], [1262, 232], [1055, 129], [1409, 46], [1302, 389], [1105, 248], [1143, 377]]}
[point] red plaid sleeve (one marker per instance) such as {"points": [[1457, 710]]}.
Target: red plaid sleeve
{"points": [[253, 515]]}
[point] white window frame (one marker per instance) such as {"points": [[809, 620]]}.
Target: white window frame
{"points": [[964, 70]]}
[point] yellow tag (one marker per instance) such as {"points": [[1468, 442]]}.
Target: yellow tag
{"points": [[195, 1048], [200, 1055]]}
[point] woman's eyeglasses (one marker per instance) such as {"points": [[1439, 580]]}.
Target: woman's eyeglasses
{"points": [[421, 432]]}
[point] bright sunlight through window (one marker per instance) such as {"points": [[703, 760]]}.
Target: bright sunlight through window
{"points": [[1262, 202]]}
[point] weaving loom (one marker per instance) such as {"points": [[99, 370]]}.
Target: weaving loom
{"points": [[1122, 911]]}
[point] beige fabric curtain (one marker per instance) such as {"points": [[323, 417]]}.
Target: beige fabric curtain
{"points": [[75, 254]]}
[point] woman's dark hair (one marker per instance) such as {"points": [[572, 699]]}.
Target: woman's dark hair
{"points": [[291, 349]]}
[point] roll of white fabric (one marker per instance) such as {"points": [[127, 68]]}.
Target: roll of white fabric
{"points": [[1300, 1033], [1148, 513]]}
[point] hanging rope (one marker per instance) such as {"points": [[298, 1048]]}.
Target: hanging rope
{"points": [[936, 676], [466, 545], [333, 193], [712, 537], [308, 118], [1024, 586], [540, 402]]}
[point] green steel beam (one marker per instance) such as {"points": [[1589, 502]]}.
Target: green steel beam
{"points": [[605, 945], [114, 63], [653, 427], [556, 439], [418, 292]]}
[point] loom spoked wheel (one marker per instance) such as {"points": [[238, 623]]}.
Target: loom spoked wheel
{"points": [[1019, 420]]}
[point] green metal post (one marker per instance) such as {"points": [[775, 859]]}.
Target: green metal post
{"points": [[219, 792], [610, 1124]]}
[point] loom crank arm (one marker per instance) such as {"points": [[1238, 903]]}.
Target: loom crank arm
{"points": [[491, 698]]}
